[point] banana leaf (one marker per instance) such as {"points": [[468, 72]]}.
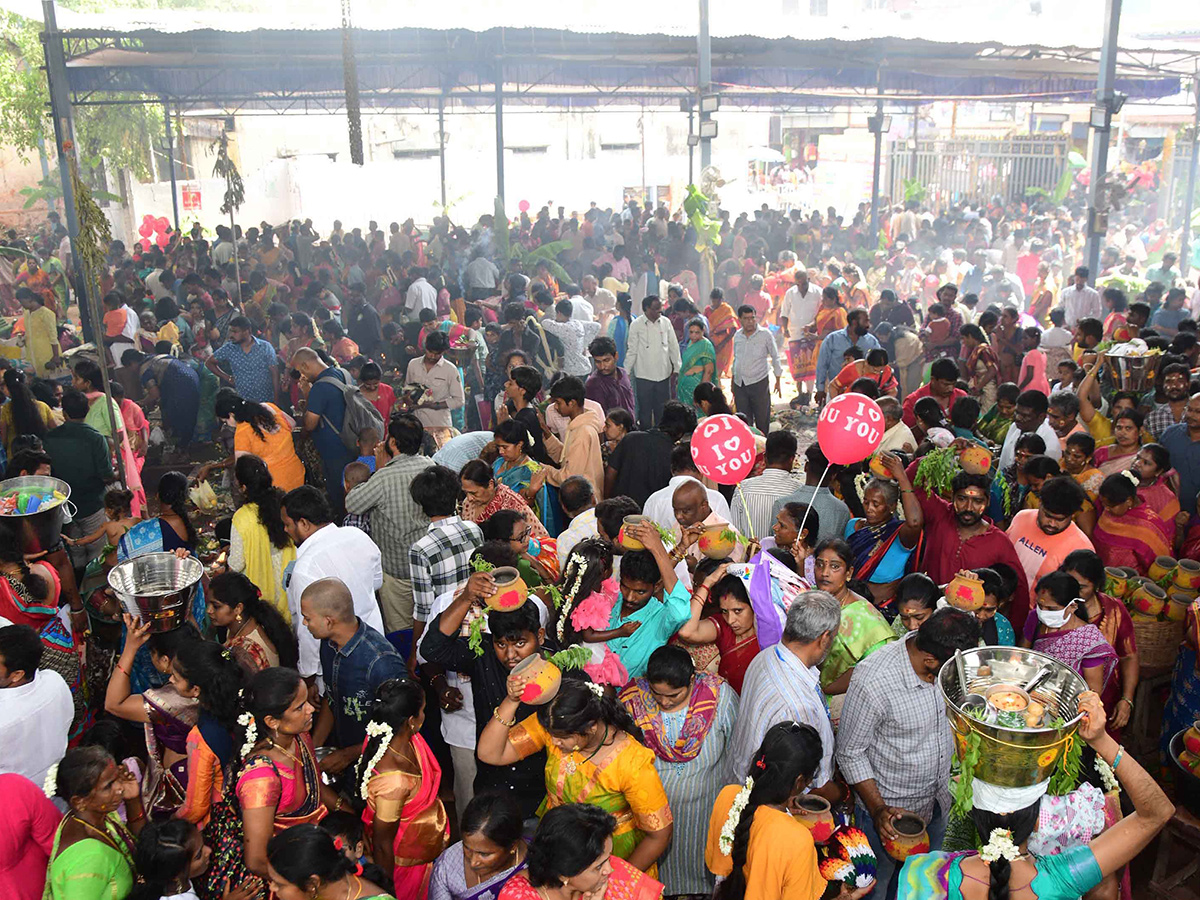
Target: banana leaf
{"points": [[547, 253]]}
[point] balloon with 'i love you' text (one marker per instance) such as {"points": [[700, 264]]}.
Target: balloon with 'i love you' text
{"points": [[850, 428], [723, 449]]}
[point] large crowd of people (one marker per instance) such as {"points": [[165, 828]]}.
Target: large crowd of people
{"points": [[348, 709]]}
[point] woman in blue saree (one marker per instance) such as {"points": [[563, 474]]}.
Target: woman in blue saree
{"points": [[515, 469], [699, 362]]}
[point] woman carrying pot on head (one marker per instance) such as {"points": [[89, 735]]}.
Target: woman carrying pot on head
{"points": [[594, 754], [1005, 818], [687, 719], [881, 541], [491, 852], [732, 630], [399, 777], [573, 856], [757, 815]]}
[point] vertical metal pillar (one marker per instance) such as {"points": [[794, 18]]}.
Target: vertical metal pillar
{"points": [[64, 140], [1104, 97], [171, 159], [442, 145], [1185, 250], [500, 130], [691, 149], [875, 173], [704, 82], [912, 163]]}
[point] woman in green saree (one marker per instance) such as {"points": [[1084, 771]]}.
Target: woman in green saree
{"points": [[863, 630], [699, 362], [92, 857]]}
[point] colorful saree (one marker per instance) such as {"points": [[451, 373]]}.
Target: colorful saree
{"points": [[620, 779], [545, 504], [1080, 648], [804, 358], [409, 797], [863, 630], [171, 718], [505, 498], [695, 356], [625, 883], [939, 876], [722, 326], [1112, 460], [92, 869], [701, 711], [1163, 499], [1134, 539]]}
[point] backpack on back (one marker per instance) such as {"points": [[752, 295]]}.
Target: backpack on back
{"points": [[360, 415]]}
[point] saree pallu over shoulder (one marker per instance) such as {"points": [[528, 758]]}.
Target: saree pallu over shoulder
{"points": [[625, 883], [926, 876], [171, 718]]}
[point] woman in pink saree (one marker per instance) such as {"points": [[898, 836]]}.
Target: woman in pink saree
{"points": [[406, 824], [1057, 627], [1130, 532]]}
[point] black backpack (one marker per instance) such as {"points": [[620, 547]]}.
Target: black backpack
{"points": [[360, 415]]}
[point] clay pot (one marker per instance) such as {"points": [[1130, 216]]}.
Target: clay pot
{"points": [[1149, 600], [1162, 570], [1116, 582], [878, 469], [717, 541], [815, 814], [1191, 740], [547, 679], [975, 460], [1187, 575], [626, 540], [913, 838], [511, 590], [965, 592], [1177, 606]]}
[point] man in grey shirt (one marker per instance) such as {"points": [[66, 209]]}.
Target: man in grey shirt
{"points": [[832, 512], [753, 347], [480, 277]]}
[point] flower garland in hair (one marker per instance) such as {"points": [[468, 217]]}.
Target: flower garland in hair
{"points": [[384, 732], [597, 689], [246, 720], [735, 816], [50, 783], [1107, 775], [575, 564], [999, 844], [1132, 477]]}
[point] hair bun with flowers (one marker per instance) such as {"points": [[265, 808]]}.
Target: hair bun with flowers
{"points": [[1128, 473], [50, 782], [1000, 843], [384, 732], [246, 720]]}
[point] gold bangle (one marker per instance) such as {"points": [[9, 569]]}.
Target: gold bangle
{"points": [[496, 716]]}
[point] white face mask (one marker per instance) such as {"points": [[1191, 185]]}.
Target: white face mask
{"points": [[1055, 618]]}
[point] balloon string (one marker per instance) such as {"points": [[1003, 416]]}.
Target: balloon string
{"points": [[749, 521], [811, 503]]}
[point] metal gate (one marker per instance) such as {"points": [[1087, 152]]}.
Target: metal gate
{"points": [[976, 169]]}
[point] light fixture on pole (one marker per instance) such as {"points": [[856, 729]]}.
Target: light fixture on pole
{"points": [[879, 124]]}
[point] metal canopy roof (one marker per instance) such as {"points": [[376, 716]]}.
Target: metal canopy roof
{"points": [[261, 62]]}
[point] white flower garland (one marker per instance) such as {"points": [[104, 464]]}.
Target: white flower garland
{"points": [[1107, 775], [999, 844], [597, 689], [384, 732], [50, 783], [246, 720], [574, 562], [735, 816]]}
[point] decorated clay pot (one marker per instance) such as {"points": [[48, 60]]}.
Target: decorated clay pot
{"points": [[1149, 600], [717, 541], [1130, 572], [975, 460], [814, 813], [913, 838], [1177, 606], [625, 539], [965, 592], [1162, 570], [878, 469], [510, 592], [1116, 583], [547, 678], [1191, 740], [1187, 575]]}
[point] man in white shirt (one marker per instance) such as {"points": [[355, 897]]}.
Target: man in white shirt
{"points": [[1080, 301], [601, 301], [481, 277], [35, 707], [445, 388], [658, 506], [325, 550], [421, 295], [753, 350], [578, 500], [576, 333], [1030, 416], [651, 358]]}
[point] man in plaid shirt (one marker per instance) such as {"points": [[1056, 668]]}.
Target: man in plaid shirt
{"points": [[440, 560]]}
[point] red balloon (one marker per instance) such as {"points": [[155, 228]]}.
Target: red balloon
{"points": [[850, 428], [147, 218], [146, 230], [523, 206], [145, 243], [161, 224], [723, 448], [162, 240]]}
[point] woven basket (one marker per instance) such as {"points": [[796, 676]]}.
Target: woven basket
{"points": [[1157, 642]]}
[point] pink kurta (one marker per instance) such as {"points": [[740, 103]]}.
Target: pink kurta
{"points": [[26, 836]]}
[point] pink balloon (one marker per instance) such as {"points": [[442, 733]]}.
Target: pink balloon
{"points": [[148, 218], [850, 428], [162, 240], [161, 224], [145, 243], [523, 206], [146, 230], [723, 448]]}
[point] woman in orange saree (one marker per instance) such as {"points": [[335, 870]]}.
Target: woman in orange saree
{"points": [[831, 316], [722, 325], [1129, 532], [406, 824]]}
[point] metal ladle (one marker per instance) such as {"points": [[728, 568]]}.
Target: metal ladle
{"points": [[970, 701], [1042, 674]]}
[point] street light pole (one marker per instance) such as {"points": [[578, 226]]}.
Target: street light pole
{"points": [[1097, 223]]}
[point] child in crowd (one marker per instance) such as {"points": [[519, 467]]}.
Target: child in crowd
{"points": [[1033, 363], [999, 584], [346, 829], [368, 440], [353, 475], [118, 504]]}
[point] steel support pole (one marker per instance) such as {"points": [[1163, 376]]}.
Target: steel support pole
{"points": [[875, 174], [912, 163], [1185, 249], [691, 149], [500, 131], [704, 82], [442, 146], [64, 140], [1104, 97], [171, 159]]}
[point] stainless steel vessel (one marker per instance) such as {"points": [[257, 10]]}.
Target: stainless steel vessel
{"points": [[157, 587]]}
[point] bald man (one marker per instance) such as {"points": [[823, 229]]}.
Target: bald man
{"points": [[694, 516], [324, 410], [355, 660]]}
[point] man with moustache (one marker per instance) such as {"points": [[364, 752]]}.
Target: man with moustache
{"points": [[1043, 537], [1176, 386]]}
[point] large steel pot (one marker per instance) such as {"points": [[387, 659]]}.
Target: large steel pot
{"points": [[42, 530], [1013, 757], [157, 587]]}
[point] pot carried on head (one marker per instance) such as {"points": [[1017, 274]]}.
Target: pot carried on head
{"points": [[1133, 366], [40, 526], [157, 588]]}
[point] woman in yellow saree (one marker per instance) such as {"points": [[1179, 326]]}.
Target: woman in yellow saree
{"points": [[594, 755], [722, 325]]}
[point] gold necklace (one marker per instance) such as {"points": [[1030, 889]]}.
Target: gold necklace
{"points": [[237, 634], [292, 756]]}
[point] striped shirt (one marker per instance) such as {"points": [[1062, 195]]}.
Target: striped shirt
{"points": [[440, 561], [396, 519], [894, 730], [754, 500]]}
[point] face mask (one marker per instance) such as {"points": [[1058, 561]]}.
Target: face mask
{"points": [[1055, 618]]}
